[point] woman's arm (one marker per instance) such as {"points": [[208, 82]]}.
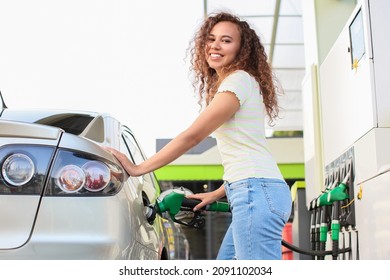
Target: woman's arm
{"points": [[221, 109]]}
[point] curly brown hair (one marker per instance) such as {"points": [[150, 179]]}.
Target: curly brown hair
{"points": [[251, 58]]}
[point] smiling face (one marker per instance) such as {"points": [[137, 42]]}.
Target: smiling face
{"points": [[223, 45]]}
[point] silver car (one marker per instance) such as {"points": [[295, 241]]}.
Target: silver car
{"points": [[62, 196]]}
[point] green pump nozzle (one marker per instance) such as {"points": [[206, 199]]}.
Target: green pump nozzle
{"points": [[178, 207], [338, 193], [323, 198], [170, 203]]}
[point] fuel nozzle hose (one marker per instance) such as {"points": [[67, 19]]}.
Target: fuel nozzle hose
{"points": [[335, 196], [325, 207], [175, 205], [217, 206]]}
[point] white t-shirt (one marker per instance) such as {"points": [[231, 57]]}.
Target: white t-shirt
{"points": [[241, 140]]}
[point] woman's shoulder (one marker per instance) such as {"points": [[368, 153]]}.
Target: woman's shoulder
{"points": [[240, 74]]}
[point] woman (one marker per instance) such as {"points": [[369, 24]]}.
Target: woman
{"points": [[236, 84]]}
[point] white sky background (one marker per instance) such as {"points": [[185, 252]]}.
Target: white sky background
{"points": [[121, 57]]}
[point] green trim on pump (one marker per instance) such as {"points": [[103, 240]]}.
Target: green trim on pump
{"points": [[215, 172]]}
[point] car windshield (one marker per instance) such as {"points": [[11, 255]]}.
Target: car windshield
{"points": [[71, 122]]}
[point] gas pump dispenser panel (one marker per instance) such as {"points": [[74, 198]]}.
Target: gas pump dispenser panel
{"points": [[355, 111]]}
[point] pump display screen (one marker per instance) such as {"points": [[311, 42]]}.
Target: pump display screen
{"points": [[356, 33]]}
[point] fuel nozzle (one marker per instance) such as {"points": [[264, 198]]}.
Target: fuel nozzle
{"points": [[323, 212], [173, 203], [338, 193], [169, 202]]}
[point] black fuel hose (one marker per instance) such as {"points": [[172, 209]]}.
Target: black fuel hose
{"points": [[313, 253]]}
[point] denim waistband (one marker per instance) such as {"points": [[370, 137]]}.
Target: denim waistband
{"points": [[252, 179]]}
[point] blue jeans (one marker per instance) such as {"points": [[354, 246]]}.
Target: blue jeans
{"points": [[260, 209]]}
